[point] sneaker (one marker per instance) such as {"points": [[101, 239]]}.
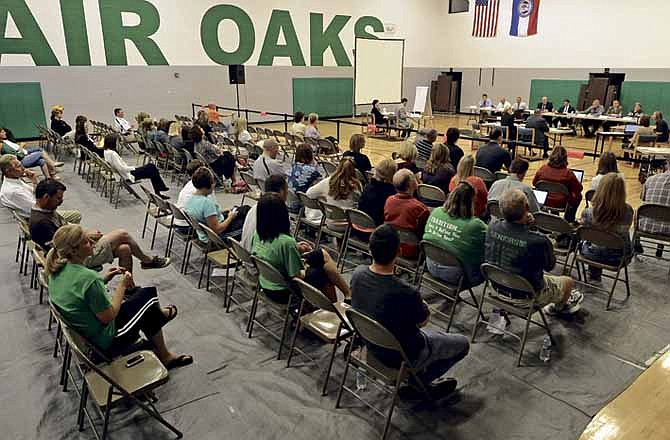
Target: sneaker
{"points": [[572, 306], [443, 388], [164, 197], [157, 263], [659, 252], [58, 164], [497, 323]]}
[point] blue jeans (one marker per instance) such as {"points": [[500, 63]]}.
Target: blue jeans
{"points": [[33, 158], [451, 274], [442, 351], [601, 255]]}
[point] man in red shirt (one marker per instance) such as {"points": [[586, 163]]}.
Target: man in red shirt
{"points": [[406, 212]]}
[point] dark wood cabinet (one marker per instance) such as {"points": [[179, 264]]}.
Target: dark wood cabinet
{"points": [[445, 93], [604, 86]]}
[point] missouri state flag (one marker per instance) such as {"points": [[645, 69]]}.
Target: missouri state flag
{"points": [[524, 17]]}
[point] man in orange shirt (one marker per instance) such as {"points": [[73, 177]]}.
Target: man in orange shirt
{"points": [[404, 211]]}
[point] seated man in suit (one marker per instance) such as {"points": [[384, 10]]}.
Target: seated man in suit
{"points": [[541, 127], [565, 109], [492, 156], [544, 105], [591, 125], [484, 105]]}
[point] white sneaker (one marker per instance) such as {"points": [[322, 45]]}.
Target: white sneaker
{"points": [[572, 306], [497, 323]]}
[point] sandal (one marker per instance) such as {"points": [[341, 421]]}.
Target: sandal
{"points": [[173, 312], [180, 361]]}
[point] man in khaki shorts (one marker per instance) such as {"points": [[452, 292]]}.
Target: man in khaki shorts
{"points": [[45, 221], [511, 245]]}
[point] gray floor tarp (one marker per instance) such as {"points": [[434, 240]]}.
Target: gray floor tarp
{"points": [[236, 389]]}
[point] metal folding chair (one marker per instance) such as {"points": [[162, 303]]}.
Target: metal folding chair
{"points": [[497, 279], [328, 323], [610, 241], [390, 379]]}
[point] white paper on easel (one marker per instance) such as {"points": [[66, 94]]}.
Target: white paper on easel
{"points": [[420, 99]]}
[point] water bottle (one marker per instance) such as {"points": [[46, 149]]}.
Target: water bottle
{"points": [[545, 351], [361, 380], [559, 124]]}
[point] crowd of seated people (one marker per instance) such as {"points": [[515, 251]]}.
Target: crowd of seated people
{"points": [[389, 197]]}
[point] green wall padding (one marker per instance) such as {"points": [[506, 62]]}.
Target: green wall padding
{"points": [[555, 89], [325, 96], [653, 96], [21, 107]]}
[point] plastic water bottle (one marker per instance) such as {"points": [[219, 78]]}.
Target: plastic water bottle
{"points": [[545, 351], [361, 380], [559, 124]]}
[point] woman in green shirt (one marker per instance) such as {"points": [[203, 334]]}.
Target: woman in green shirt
{"points": [[112, 324], [455, 227], [274, 244]]}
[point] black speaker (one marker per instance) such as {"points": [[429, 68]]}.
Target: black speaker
{"points": [[236, 73]]}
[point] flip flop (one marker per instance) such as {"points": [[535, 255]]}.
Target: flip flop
{"points": [[181, 361], [173, 312]]}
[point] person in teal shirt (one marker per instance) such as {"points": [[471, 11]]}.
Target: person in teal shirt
{"points": [[113, 323], [455, 227], [203, 209]]}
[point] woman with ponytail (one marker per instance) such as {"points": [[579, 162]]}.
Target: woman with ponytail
{"points": [[111, 323]]}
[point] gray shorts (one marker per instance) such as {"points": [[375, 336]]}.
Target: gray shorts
{"points": [[102, 254]]}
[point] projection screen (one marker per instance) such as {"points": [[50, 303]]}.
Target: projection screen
{"points": [[378, 70]]}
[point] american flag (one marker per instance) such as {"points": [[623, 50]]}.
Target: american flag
{"points": [[485, 24]]}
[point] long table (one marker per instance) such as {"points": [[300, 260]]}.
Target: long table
{"points": [[581, 116]]}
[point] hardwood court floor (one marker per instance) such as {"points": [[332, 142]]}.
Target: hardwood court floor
{"points": [[378, 149]]}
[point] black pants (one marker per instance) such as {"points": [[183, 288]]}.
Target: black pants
{"points": [[140, 311], [590, 127], [224, 165], [149, 171]]}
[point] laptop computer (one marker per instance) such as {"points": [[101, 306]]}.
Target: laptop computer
{"points": [[541, 196], [579, 174], [630, 128]]}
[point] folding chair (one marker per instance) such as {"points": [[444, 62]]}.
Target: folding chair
{"points": [[357, 221], [431, 195], [217, 254], [654, 213], [245, 273], [127, 185], [327, 322], [554, 227], [159, 210], [334, 214], [388, 378], [486, 175], [604, 239], [410, 265], [194, 241], [450, 292], [114, 382], [554, 188], [269, 273], [22, 244], [308, 203], [526, 138], [255, 191], [328, 167], [497, 278], [185, 233]]}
